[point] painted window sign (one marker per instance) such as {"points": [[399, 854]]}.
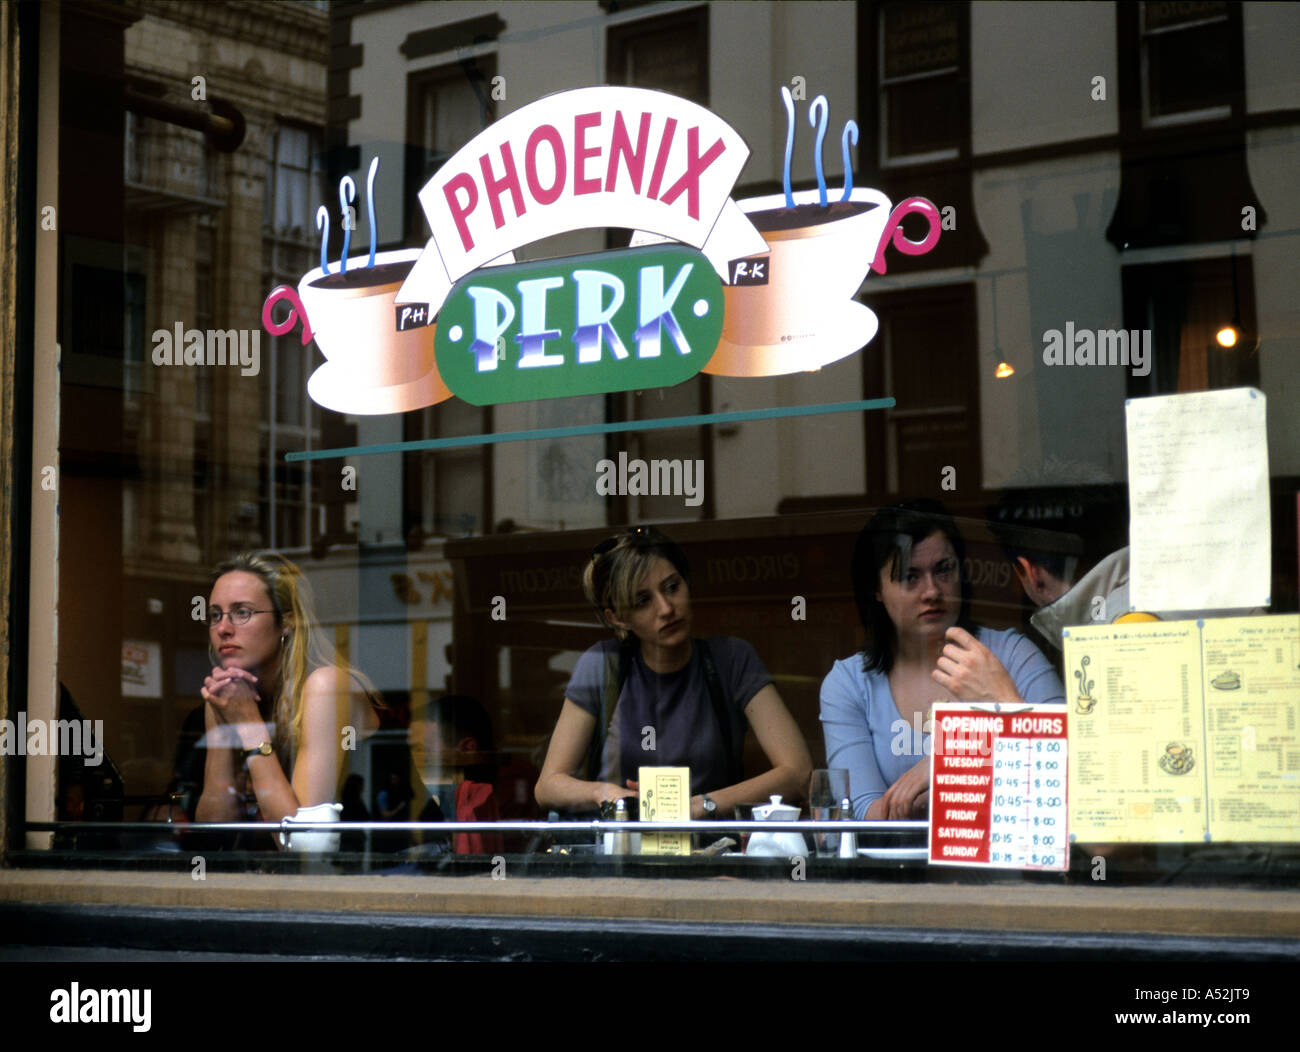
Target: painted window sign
{"points": [[613, 321], [757, 287]]}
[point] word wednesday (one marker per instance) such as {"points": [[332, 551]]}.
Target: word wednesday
{"points": [[53, 738], [1103, 347], [102, 1006], [240, 347], [637, 478]]}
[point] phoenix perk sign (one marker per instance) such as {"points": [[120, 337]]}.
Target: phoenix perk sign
{"points": [[592, 157]]}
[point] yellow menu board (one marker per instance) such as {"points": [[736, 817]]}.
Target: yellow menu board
{"points": [[665, 797], [1185, 730]]}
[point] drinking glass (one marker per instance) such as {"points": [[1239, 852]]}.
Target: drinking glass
{"points": [[826, 789]]}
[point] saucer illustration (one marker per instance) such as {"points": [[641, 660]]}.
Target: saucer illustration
{"points": [[851, 326], [335, 388], [1226, 680], [1176, 759]]}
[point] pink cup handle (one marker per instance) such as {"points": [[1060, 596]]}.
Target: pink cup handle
{"points": [[296, 311], [904, 244]]}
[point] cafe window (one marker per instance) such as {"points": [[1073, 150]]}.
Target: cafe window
{"points": [[920, 82], [1187, 73], [458, 570]]}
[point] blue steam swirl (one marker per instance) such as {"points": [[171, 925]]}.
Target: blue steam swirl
{"points": [[789, 141], [347, 194], [323, 224], [820, 124], [370, 200], [850, 132]]}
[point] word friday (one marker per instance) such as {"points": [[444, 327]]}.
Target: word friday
{"points": [[240, 347], [639, 478], [76, 1005], [53, 738], [1103, 347]]}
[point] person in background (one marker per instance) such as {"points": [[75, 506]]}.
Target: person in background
{"points": [[921, 647], [657, 697], [452, 750], [276, 702]]}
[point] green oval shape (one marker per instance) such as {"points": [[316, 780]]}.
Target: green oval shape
{"points": [[634, 319]]}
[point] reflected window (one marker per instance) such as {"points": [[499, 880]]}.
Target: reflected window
{"points": [[1186, 69]]}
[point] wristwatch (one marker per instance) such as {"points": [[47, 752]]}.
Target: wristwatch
{"points": [[710, 807], [262, 750]]}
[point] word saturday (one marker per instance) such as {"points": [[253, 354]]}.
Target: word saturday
{"points": [[102, 1006], [639, 478], [242, 347], [53, 738]]}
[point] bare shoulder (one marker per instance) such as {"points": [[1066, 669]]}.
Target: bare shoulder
{"points": [[330, 686]]}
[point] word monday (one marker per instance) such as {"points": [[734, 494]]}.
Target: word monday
{"points": [[1104, 347]]}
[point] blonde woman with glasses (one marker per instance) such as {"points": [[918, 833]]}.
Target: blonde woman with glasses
{"points": [[276, 702]]}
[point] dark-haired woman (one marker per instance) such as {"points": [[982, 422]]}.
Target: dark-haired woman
{"points": [[921, 647], [670, 700]]}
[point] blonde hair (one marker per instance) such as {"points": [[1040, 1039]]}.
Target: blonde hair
{"points": [[303, 649], [615, 570]]}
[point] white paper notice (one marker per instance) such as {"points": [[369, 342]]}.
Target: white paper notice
{"points": [[1198, 499]]}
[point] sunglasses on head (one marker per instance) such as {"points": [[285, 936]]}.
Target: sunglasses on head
{"points": [[606, 546]]}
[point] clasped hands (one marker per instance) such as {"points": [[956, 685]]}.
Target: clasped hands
{"points": [[232, 694]]}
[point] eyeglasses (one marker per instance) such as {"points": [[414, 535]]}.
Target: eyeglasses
{"points": [[240, 615]]}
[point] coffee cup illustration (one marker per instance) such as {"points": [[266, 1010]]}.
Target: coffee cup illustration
{"points": [[371, 366], [803, 315], [1177, 758]]}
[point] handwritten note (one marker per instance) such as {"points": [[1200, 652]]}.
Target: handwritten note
{"points": [[665, 797], [1198, 494], [1185, 730]]}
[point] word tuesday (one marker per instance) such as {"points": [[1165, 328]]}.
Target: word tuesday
{"points": [[584, 167]]}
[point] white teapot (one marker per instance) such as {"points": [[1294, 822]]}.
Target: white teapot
{"points": [[777, 845]]}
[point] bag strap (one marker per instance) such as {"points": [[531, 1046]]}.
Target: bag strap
{"points": [[735, 761], [618, 666]]}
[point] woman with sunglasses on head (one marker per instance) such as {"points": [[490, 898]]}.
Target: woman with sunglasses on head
{"points": [[913, 599], [276, 704], [657, 697]]}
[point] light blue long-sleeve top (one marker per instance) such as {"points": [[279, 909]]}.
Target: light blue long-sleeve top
{"points": [[865, 733]]}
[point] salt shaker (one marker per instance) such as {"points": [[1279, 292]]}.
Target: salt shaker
{"points": [[848, 841]]}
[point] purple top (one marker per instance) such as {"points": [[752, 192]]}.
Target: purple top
{"points": [[668, 720]]}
